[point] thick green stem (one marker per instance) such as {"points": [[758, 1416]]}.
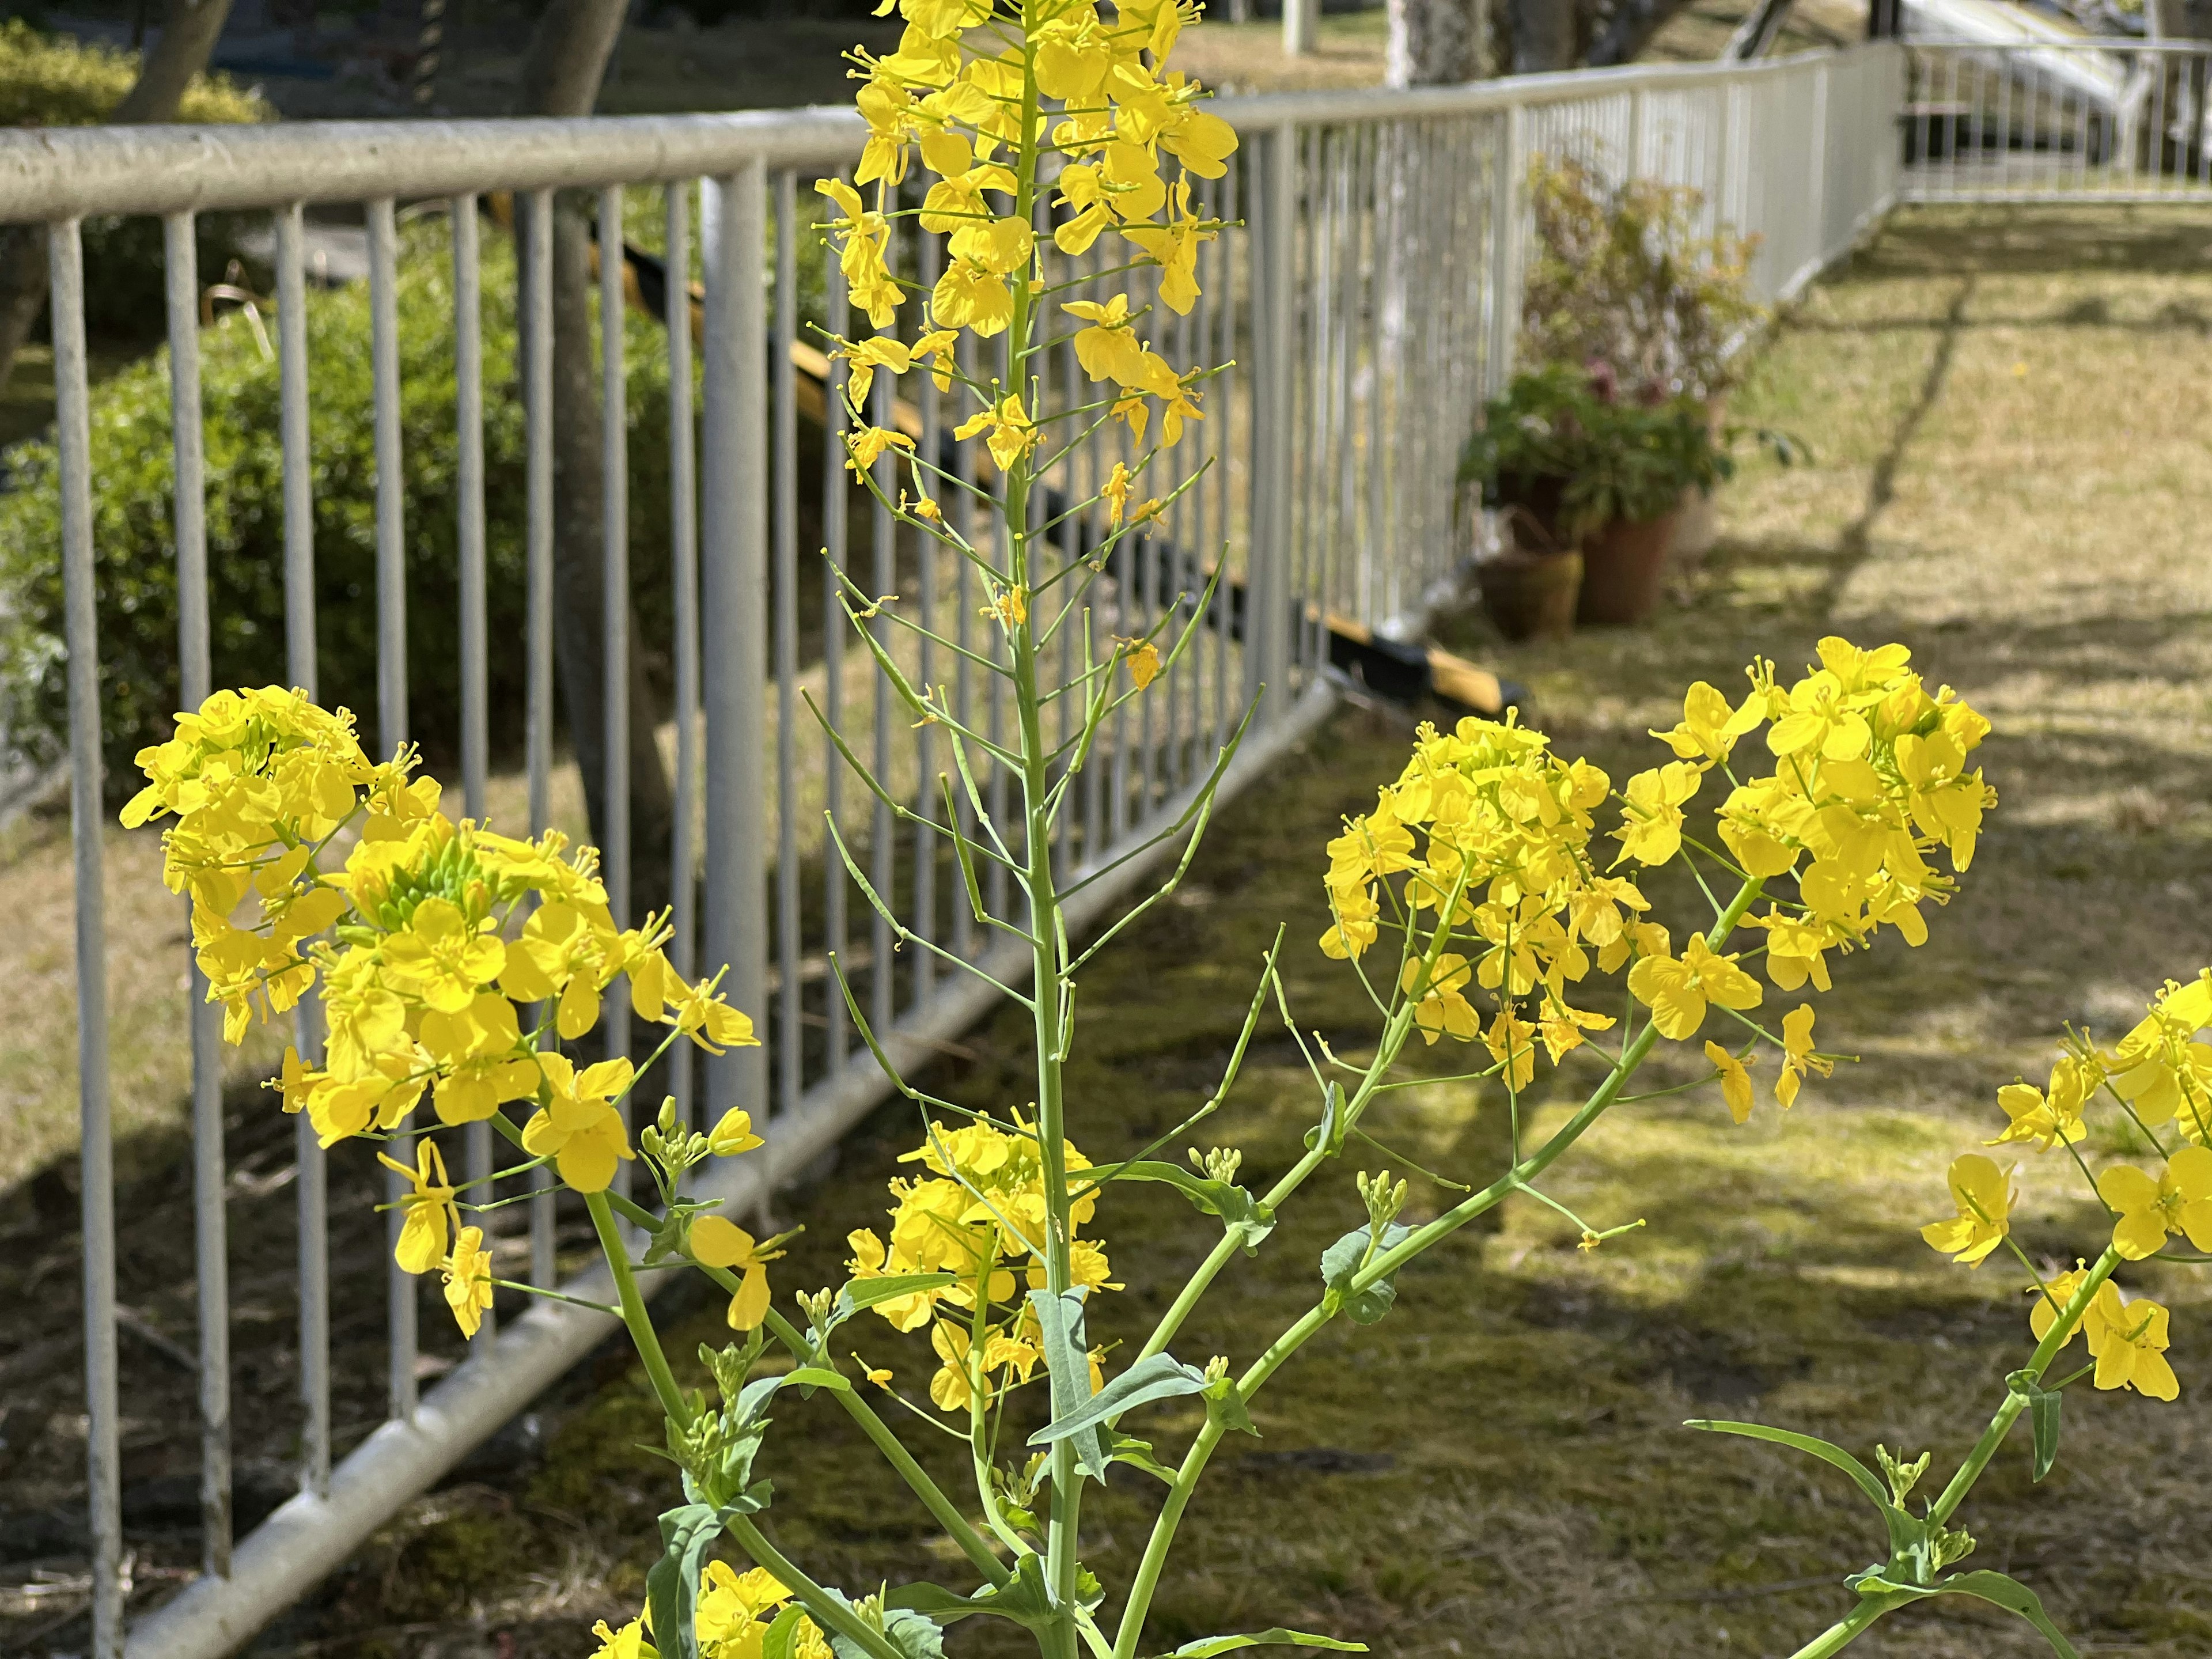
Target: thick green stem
{"points": [[1388, 1261], [635, 1316]]}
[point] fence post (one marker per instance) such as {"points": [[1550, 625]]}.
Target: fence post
{"points": [[1268, 633], [73, 440], [1816, 186], [1301, 27], [734, 583], [1639, 133], [1509, 205]]}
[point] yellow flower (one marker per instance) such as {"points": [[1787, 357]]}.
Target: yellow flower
{"points": [[956, 1382], [2133, 1352], [1011, 431], [1736, 1081], [1652, 825], [2047, 1120], [468, 1281], [1678, 989], [428, 1205], [441, 957], [719, 1243], [1109, 348], [1359, 919], [1143, 658], [1797, 1055], [863, 358], [628, 1643], [867, 445], [735, 1610], [1174, 247], [2179, 1201], [1443, 1006], [580, 1130], [1512, 1043], [2062, 1290], [1708, 728], [1985, 1198], [734, 1134]]}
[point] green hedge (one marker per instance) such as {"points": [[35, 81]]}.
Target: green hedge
{"points": [[133, 518]]}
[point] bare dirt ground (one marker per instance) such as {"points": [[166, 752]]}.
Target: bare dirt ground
{"points": [[2005, 410]]}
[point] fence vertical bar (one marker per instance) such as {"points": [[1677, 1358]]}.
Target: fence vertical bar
{"points": [[614, 610], [391, 710], [791, 1048], [210, 1229], [535, 309], [1268, 642], [475, 697], [926, 552], [300, 664], [835, 501], [683, 576], [883, 547], [733, 560], [1505, 209], [96, 1164]]}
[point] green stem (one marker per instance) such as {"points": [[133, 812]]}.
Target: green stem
{"points": [[1380, 1267], [634, 1313], [1845, 1630], [811, 1595], [2061, 1331], [880, 1434]]}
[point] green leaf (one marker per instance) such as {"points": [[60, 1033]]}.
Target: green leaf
{"points": [[1209, 1646], [781, 1641], [1225, 1404], [1333, 1127], [1158, 1376], [1137, 1454], [672, 1587], [1832, 1454], [1067, 1364], [1236, 1207], [1999, 1589], [1023, 1598], [1345, 1257], [862, 1294], [2043, 1405]]}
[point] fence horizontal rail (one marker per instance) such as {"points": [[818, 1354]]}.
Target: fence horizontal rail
{"points": [[1366, 287]]}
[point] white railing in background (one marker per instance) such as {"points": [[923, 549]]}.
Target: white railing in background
{"points": [[1369, 300], [2087, 119]]}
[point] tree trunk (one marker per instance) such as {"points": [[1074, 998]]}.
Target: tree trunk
{"points": [[1436, 43], [1631, 28], [189, 28], [1543, 35], [561, 76]]}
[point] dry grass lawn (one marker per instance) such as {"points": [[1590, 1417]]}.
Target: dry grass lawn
{"points": [[2006, 411]]}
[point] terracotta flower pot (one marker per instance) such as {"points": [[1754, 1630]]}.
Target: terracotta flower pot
{"points": [[1529, 588], [1622, 564]]}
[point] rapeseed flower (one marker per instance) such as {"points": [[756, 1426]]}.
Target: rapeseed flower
{"points": [[2177, 1201], [1983, 1195]]}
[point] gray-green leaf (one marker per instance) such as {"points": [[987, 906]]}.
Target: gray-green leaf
{"points": [[1344, 1259], [1067, 1364], [672, 1587], [1159, 1376], [1207, 1647]]}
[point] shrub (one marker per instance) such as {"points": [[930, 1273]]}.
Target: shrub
{"points": [[133, 509], [1622, 278]]}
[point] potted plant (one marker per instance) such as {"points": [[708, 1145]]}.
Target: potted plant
{"points": [[1640, 463], [1587, 484], [1622, 275], [1522, 460]]}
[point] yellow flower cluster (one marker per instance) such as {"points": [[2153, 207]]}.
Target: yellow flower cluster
{"points": [[734, 1612], [984, 95], [979, 1214], [431, 941], [1871, 783], [2158, 1077]]}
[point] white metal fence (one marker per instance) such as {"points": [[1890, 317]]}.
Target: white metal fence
{"points": [[2083, 120], [1370, 298]]}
